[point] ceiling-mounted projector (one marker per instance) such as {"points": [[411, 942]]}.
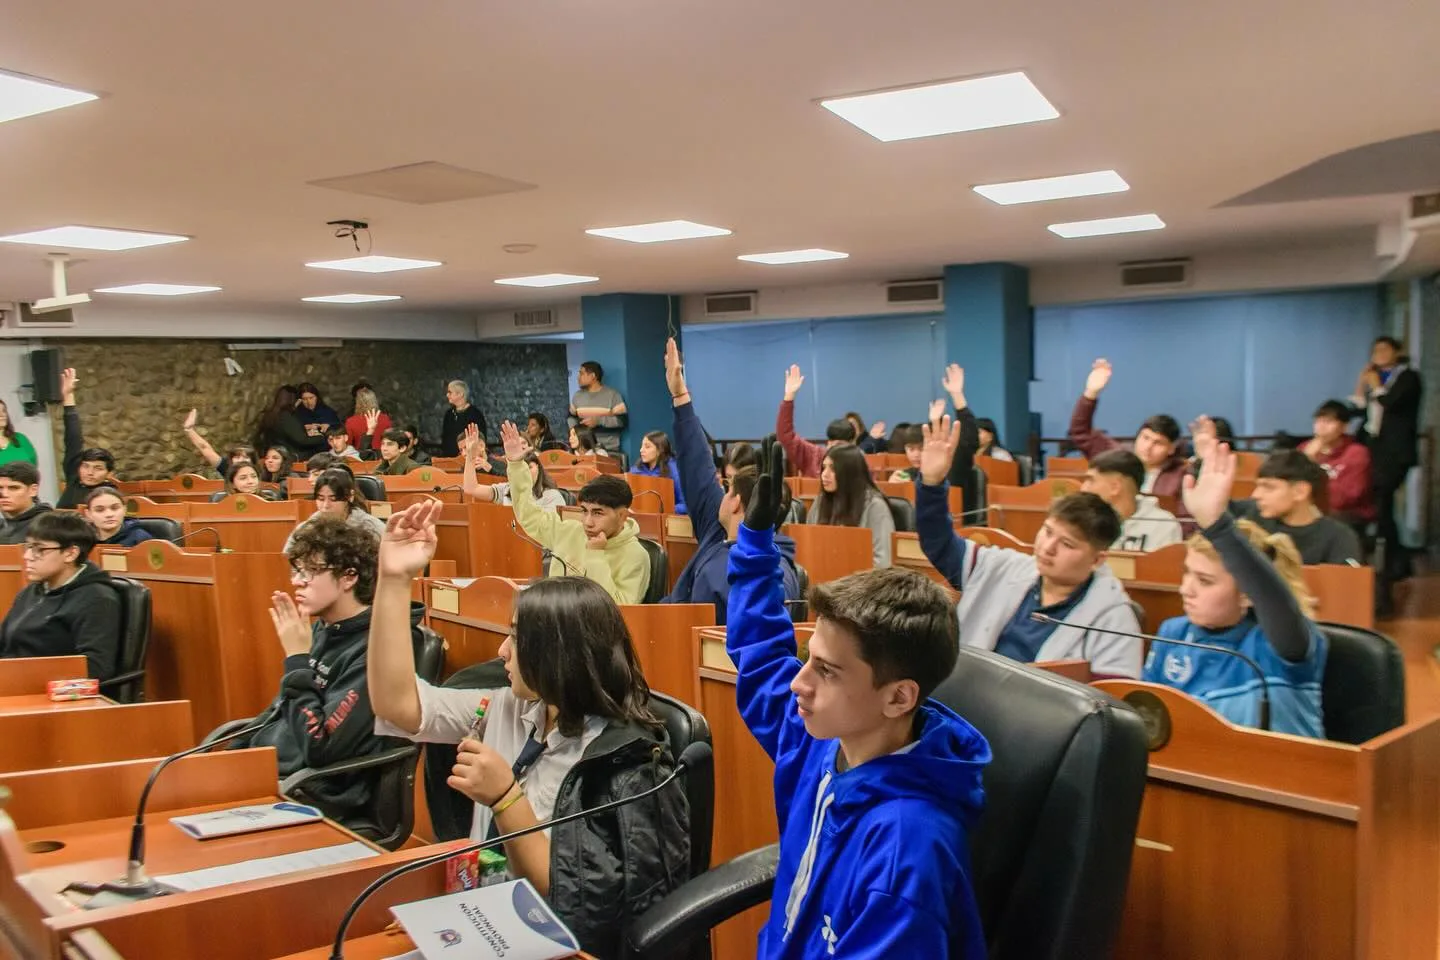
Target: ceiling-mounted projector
{"points": [[63, 299]]}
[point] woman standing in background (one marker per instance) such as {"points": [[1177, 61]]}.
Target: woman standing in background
{"points": [[14, 446]]}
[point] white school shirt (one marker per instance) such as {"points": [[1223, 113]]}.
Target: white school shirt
{"points": [[446, 715]]}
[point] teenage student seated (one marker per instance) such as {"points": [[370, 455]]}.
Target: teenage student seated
{"points": [[1066, 578], [989, 441], [242, 477], [718, 507], [848, 498], [603, 545], [573, 729], [806, 456], [871, 439], [393, 458], [70, 607], [19, 503], [538, 432], [85, 467], [414, 449], [214, 460], [1285, 501], [340, 446], [335, 495], [322, 713], [658, 460], [1346, 461], [914, 440], [876, 786], [542, 488], [1155, 443], [104, 508], [275, 466], [1243, 589], [584, 444], [1116, 477]]}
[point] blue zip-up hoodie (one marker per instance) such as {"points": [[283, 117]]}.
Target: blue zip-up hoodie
{"points": [[705, 578], [875, 860], [129, 534], [673, 472]]}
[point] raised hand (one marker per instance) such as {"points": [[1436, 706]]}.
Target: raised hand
{"points": [[1100, 373], [767, 507], [1204, 437], [1208, 497], [516, 446], [954, 382], [937, 410], [471, 440], [674, 370], [941, 439], [372, 420], [877, 430], [291, 626], [190, 419], [794, 380], [409, 541], [68, 380]]}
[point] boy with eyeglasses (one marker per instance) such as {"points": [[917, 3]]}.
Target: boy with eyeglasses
{"points": [[70, 607], [322, 714]]}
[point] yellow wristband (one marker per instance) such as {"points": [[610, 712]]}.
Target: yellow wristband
{"points": [[519, 792]]}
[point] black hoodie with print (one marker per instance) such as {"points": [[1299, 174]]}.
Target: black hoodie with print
{"points": [[82, 618]]}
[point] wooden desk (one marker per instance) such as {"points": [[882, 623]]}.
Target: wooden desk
{"points": [[829, 553], [1262, 845], [1066, 467], [140, 506], [211, 638], [1021, 511], [95, 733], [680, 545], [29, 675], [662, 635], [474, 619], [30, 703], [1003, 473], [652, 494], [247, 524], [479, 538], [12, 574]]}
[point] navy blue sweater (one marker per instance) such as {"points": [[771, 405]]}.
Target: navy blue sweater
{"points": [[705, 577]]}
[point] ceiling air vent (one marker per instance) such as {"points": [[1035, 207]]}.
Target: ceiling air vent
{"points": [[534, 319], [1155, 273], [915, 293], [730, 304]]}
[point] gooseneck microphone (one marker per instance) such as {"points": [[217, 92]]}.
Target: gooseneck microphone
{"points": [[546, 555], [649, 493], [210, 530], [136, 884], [696, 754], [1264, 723]]}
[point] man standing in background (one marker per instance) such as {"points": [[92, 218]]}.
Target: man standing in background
{"points": [[460, 415], [598, 407]]}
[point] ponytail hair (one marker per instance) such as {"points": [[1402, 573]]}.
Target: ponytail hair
{"points": [[1278, 548]]}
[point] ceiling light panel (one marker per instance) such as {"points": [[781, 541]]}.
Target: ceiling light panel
{"points": [[92, 238], [809, 255], [1101, 228], [158, 289], [26, 97], [374, 264], [547, 280], [1054, 188], [351, 298], [939, 108], [660, 232]]}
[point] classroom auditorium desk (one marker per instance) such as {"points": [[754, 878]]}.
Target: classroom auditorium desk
{"points": [[96, 732], [1261, 845], [12, 573], [474, 618], [680, 545], [211, 638], [27, 676], [829, 553], [479, 538], [245, 523]]}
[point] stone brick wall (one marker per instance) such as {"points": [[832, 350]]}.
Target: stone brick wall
{"points": [[133, 395]]}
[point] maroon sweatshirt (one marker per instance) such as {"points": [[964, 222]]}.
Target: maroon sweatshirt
{"points": [[806, 456], [1092, 443], [1348, 464]]}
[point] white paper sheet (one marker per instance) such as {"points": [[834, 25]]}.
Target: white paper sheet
{"points": [[268, 866]]}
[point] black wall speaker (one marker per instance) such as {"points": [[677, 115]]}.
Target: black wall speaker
{"points": [[45, 367]]}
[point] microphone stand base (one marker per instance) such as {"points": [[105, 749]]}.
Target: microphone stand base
{"points": [[116, 892]]}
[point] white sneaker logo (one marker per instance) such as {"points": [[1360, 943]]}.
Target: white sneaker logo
{"points": [[827, 933]]}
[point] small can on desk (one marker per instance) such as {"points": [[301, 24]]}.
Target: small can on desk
{"points": [[80, 689]]}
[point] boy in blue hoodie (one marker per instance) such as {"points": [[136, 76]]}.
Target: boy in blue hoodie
{"points": [[876, 786], [715, 511]]}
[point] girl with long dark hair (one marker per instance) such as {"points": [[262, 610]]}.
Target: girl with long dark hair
{"points": [[848, 498], [657, 459], [335, 494]]}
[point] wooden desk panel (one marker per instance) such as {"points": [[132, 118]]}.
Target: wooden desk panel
{"points": [[829, 553], [1066, 467], [474, 620], [96, 733], [247, 524], [41, 703], [22, 676], [138, 506], [480, 539], [680, 545], [1004, 473], [652, 494], [662, 634], [12, 574]]}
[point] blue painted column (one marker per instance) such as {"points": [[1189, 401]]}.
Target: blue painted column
{"points": [[626, 333], [988, 331]]}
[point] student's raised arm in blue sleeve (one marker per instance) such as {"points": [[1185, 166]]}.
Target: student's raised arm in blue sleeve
{"points": [[945, 550], [697, 487]]}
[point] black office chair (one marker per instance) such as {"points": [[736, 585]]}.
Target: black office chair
{"points": [[272, 493], [797, 512], [1363, 692], [1025, 466], [902, 511], [568, 496], [128, 685], [161, 528], [799, 608], [659, 571], [1051, 853], [979, 499], [389, 817], [371, 487]]}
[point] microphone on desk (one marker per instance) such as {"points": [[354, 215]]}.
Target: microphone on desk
{"points": [[136, 884], [1264, 723], [210, 530], [545, 553], [649, 493], [449, 489], [967, 514], [697, 754]]}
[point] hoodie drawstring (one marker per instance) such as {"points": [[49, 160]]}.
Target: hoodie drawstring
{"points": [[801, 885]]}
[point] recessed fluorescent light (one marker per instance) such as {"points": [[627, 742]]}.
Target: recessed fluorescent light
{"points": [[1099, 228], [794, 256], [158, 289], [1054, 188], [26, 96], [374, 264], [351, 298], [546, 280], [953, 107], [659, 232], [92, 238]]}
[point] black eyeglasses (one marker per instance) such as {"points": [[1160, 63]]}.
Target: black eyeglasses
{"points": [[37, 549], [303, 575]]}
